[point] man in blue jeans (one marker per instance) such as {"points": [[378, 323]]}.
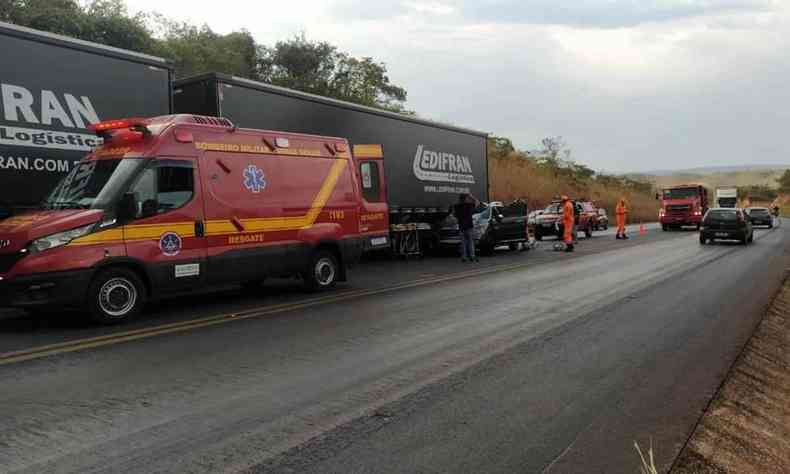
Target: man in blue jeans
{"points": [[463, 212]]}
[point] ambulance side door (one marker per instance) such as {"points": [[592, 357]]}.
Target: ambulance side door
{"points": [[167, 232], [374, 215]]}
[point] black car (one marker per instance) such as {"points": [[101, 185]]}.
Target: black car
{"points": [[760, 216], [726, 224]]}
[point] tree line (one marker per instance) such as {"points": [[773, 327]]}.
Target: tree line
{"points": [[297, 63]]}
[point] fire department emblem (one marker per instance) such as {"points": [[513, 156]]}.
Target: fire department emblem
{"points": [[254, 179], [170, 244]]}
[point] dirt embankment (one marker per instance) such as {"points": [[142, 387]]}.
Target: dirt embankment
{"points": [[513, 178], [746, 429]]}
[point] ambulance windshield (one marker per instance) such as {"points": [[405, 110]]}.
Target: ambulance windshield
{"points": [[93, 184]]}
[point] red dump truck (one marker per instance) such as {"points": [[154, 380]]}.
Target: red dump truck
{"points": [[683, 205]]}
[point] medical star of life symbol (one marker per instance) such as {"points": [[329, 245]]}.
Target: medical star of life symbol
{"points": [[254, 179], [170, 244]]}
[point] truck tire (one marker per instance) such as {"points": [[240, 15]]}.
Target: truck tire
{"points": [[664, 227], [538, 235], [513, 246], [323, 271], [702, 239], [115, 295]]}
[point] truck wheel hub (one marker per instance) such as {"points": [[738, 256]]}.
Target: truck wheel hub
{"points": [[117, 297], [324, 271]]}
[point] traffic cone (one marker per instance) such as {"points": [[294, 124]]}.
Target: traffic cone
{"points": [[642, 231]]}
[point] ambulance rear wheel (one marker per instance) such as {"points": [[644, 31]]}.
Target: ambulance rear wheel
{"points": [[115, 295], [323, 272]]}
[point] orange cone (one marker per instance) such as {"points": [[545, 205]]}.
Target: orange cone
{"points": [[642, 231]]}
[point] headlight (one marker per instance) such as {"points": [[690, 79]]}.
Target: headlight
{"points": [[59, 239]]}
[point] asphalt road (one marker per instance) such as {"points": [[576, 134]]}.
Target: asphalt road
{"points": [[528, 362]]}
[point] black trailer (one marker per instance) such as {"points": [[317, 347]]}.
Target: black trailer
{"points": [[51, 88], [427, 164]]}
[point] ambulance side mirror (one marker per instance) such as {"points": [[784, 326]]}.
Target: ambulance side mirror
{"points": [[127, 208], [150, 208]]}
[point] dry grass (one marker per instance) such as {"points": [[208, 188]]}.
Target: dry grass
{"points": [[648, 463], [513, 178]]}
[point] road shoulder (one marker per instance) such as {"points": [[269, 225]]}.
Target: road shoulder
{"points": [[746, 428]]}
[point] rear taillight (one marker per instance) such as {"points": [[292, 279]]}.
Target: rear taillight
{"points": [[661, 213]]}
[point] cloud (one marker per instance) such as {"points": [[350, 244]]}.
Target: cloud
{"points": [[634, 85], [603, 13], [590, 13]]}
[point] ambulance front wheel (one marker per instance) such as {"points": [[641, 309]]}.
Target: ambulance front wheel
{"points": [[323, 272], [115, 295]]}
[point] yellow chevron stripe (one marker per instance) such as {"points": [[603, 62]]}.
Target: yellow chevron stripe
{"points": [[222, 227], [368, 151], [269, 224], [154, 231], [104, 236]]}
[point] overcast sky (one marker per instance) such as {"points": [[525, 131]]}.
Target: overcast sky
{"points": [[629, 84]]}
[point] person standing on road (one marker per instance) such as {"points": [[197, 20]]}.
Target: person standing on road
{"points": [[463, 212], [567, 223], [621, 211]]}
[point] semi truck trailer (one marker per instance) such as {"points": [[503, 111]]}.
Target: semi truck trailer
{"points": [[424, 164], [727, 196], [51, 89]]}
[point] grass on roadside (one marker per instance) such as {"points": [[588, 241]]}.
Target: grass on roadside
{"points": [[648, 462], [514, 177]]}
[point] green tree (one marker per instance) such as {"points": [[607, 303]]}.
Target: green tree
{"points": [[196, 50], [784, 182], [500, 147], [319, 68], [310, 66], [108, 22], [101, 21], [63, 17]]}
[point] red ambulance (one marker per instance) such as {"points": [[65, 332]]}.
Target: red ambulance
{"points": [[175, 203]]}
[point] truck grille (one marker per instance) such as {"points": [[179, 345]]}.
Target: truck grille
{"points": [[8, 260], [678, 208]]}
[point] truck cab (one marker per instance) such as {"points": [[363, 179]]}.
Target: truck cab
{"points": [[683, 205], [174, 203], [727, 196]]}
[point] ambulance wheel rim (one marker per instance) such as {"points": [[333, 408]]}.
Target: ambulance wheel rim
{"points": [[117, 297], [325, 271]]}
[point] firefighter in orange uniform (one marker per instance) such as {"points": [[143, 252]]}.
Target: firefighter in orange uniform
{"points": [[621, 211], [567, 223]]}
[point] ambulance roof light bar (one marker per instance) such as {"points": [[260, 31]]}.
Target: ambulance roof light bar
{"points": [[116, 124]]}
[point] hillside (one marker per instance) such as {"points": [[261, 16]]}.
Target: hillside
{"points": [[519, 176], [740, 178]]}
